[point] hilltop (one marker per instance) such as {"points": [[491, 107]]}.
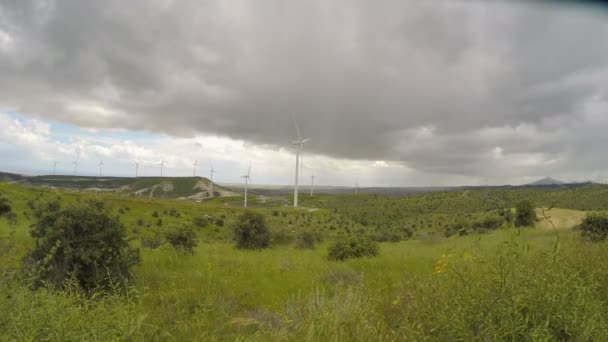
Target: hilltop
{"points": [[181, 188]]}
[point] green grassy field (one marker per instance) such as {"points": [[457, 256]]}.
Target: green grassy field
{"points": [[507, 284]]}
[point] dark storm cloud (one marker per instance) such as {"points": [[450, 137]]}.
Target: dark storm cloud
{"points": [[435, 84]]}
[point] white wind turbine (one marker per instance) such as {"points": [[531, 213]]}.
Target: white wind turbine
{"points": [[55, 167], [100, 166], [211, 179], [195, 165], [247, 181], [75, 162], [136, 168], [300, 144], [162, 166], [312, 183]]}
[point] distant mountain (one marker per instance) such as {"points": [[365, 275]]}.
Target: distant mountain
{"points": [[547, 181], [181, 188]]}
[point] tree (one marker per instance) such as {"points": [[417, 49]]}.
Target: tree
{"points": [[250, 231], [82, 242], [525, 214]]}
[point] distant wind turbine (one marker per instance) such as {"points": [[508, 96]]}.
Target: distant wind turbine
{"points": [[247, 181], [211, 179], [136, 168], [162, 165], [75, 162], [300, 144], [195, 165], [312, 183], [55, 167], [100, 166]]}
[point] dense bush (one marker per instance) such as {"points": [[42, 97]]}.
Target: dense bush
{"points": [[200, 221], [5, 206], [353, 248], [306, 240], [250, 231], [595, 226], [151, 242], [82, 242], [182, 237], [525, 214]]}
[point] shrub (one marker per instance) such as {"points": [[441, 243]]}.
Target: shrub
{"points": [[5, 206], [525, 214], [595, 226], [250, 231], [386, 235], [219, 222], [353, 248], [306, 240], [200, 221], [155, 213], [183, 238], [151, 242], [82, 243]]}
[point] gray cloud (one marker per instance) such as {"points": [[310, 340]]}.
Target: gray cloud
{"points": [[436, 85]]}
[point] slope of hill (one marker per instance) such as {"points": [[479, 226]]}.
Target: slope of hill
{"points": [[547, 181], [183, 188]]}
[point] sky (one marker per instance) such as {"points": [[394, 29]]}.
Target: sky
{"points": [[391, 93]]}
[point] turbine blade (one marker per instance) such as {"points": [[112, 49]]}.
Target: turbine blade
{"points": [[295, 123]]}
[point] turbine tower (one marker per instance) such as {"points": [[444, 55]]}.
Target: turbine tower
{"points": [[75, 162], [312, 183], [162, 165], [136, 168], [247, 181], [195, 165], [100, 166], [55, 167], [299, 145], [211, 179]]}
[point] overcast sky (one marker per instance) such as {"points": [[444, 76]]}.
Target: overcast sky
{"points": [[390, 92]]}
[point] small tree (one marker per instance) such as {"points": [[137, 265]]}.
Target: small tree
{"points": [[182, 237], [595, 226], [82, 242], [525, 214], [250, 231]]}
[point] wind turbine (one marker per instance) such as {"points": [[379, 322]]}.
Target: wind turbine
{"points": [[247, 181], [75, 166], [300, 144], [162, 165], [211, 179], [195, 166], [100, 166], [136, 168], [312, 183], [55, 167]]}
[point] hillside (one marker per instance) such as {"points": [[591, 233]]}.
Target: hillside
{"points": [[182, 188]]}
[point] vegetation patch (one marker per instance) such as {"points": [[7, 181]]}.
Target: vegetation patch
{"points": [[82, 242]]}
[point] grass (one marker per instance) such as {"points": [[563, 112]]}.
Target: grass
{"points": [[508, 284]]}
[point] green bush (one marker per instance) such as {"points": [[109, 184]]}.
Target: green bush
{"points": [[200, 221], [151, 242], [5, 206], [183, 237], [306, 240], [82, 242], [595, 226], [250, 231], [353, 248], [525, 214]]}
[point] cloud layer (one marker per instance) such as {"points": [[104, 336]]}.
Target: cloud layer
{"points": [[460, 88]]}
